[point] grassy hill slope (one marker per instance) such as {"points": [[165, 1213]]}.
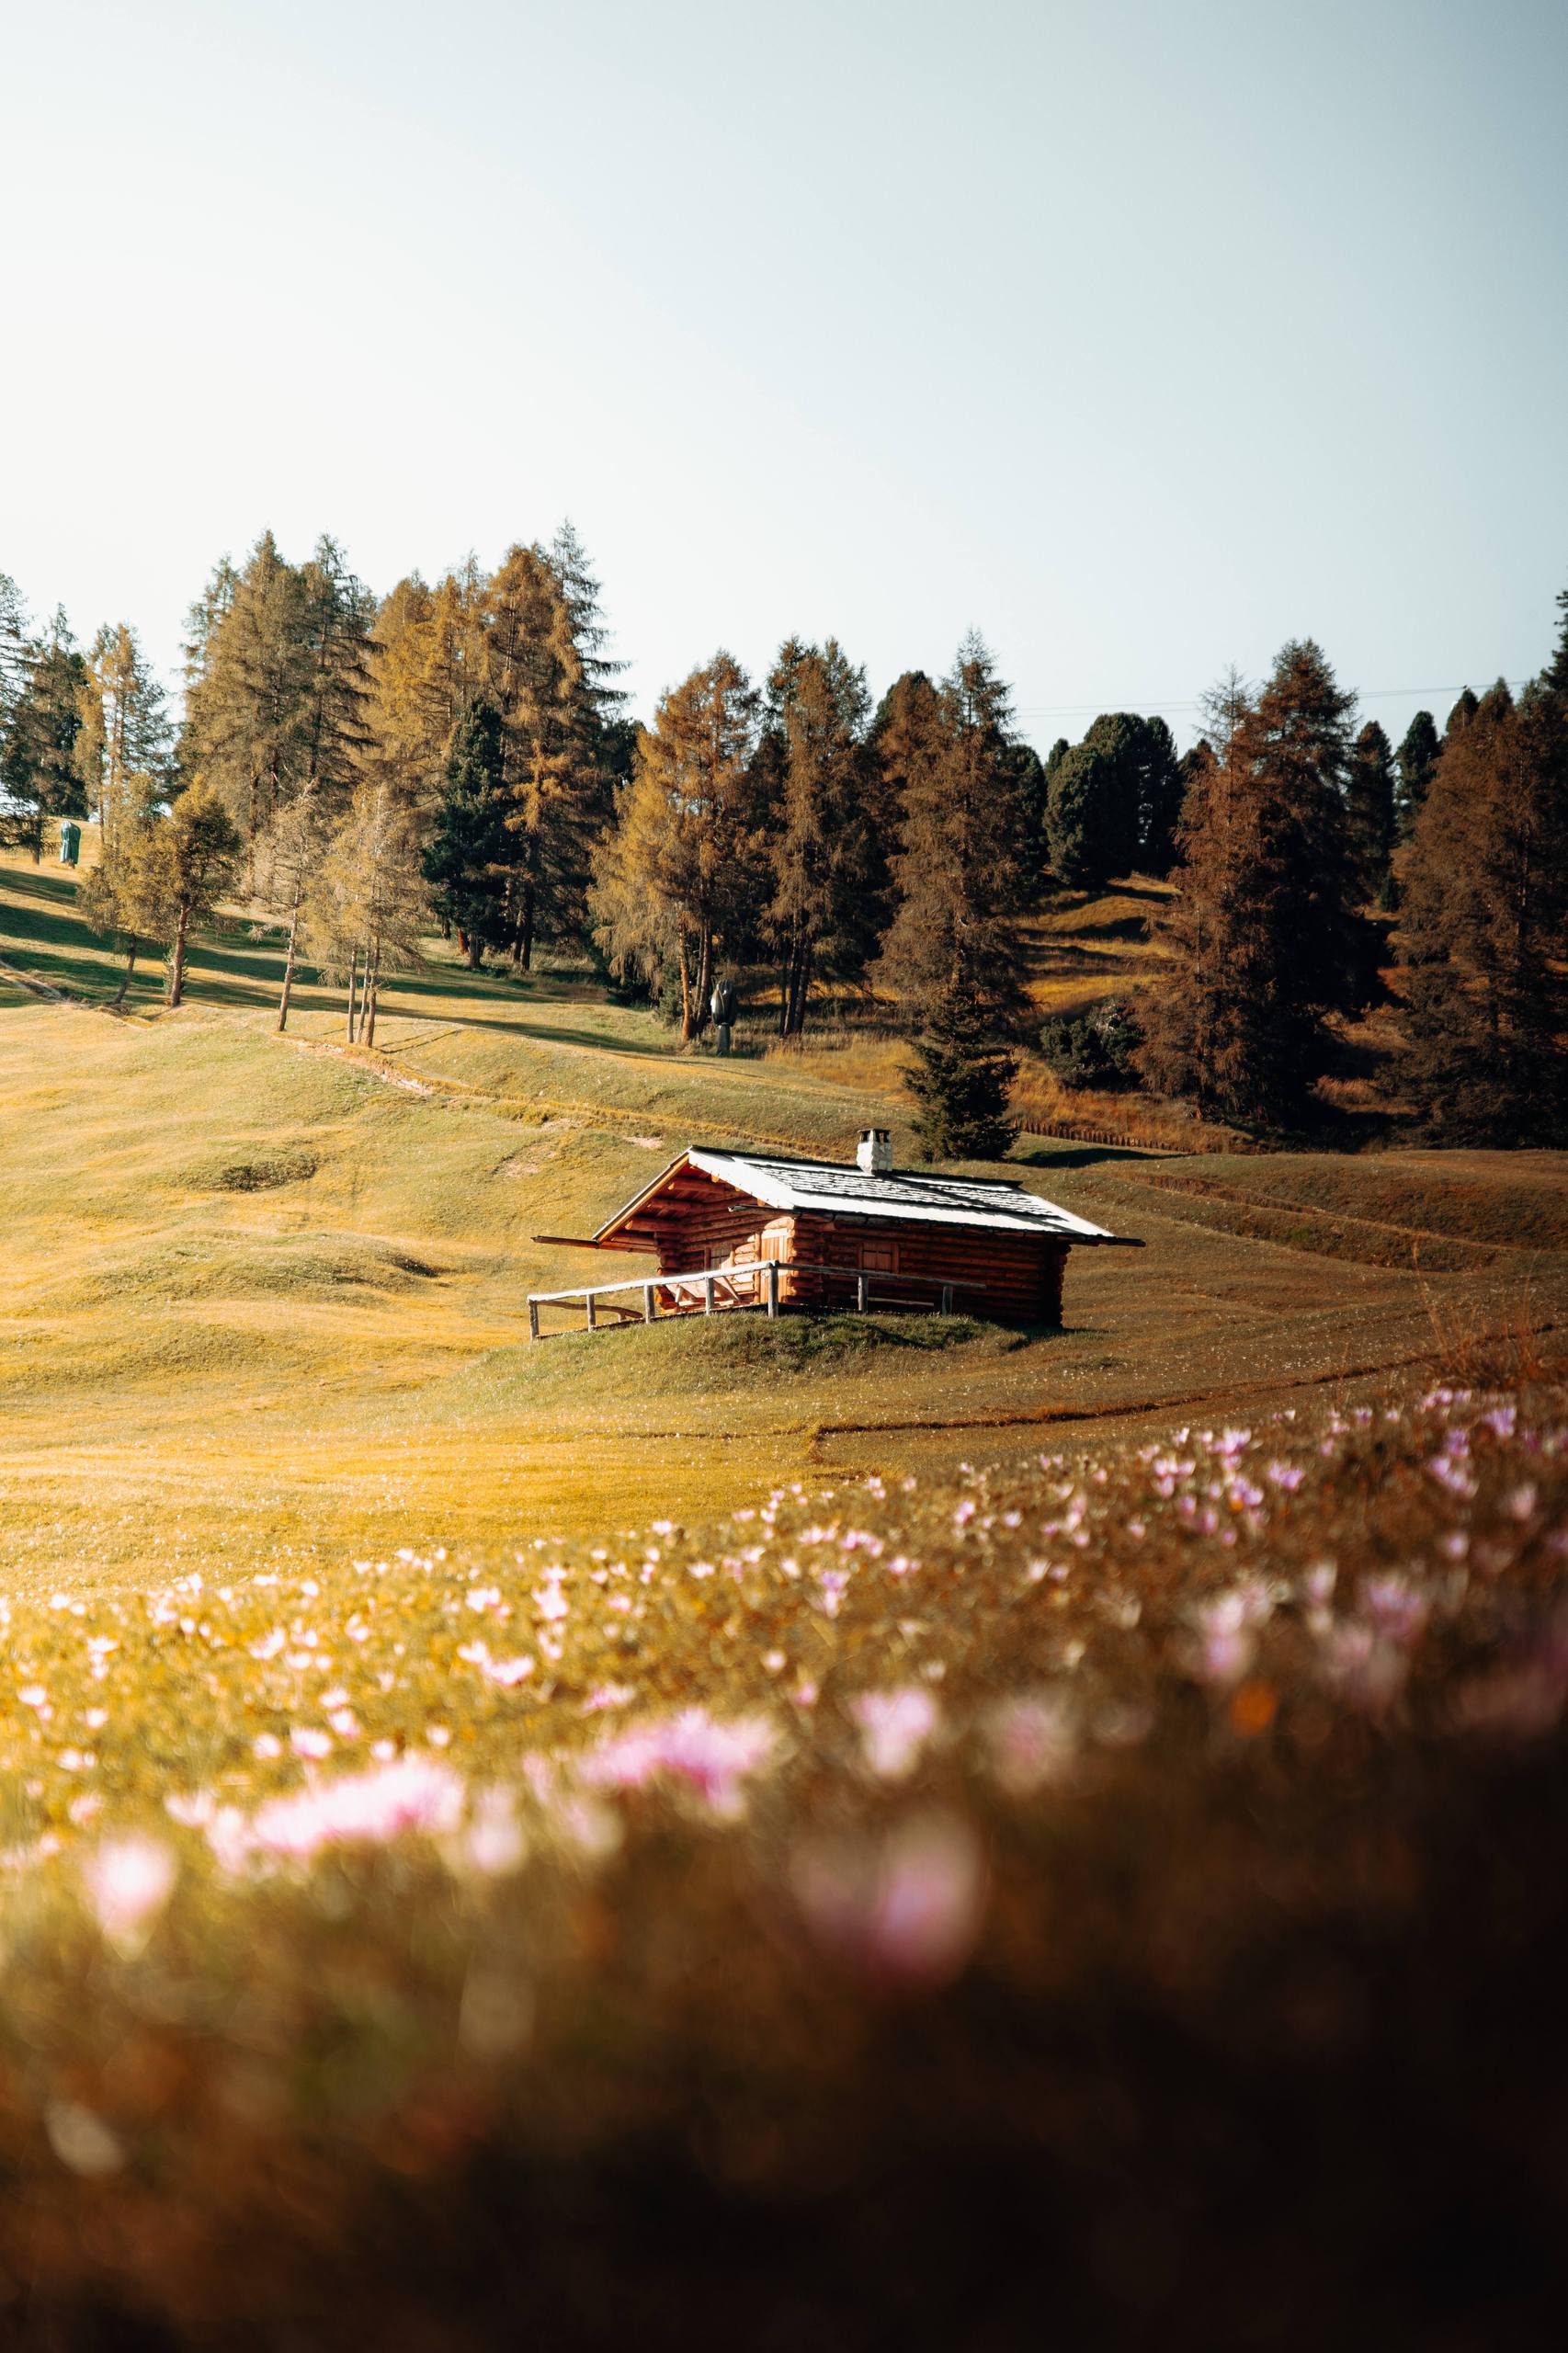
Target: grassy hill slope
{"points": [[265, 1295]]}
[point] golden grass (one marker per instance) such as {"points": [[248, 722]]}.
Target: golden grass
{"points": [[265, 1296]]}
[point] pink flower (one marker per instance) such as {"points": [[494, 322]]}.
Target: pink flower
{"points": [[1031, 1741], [415, 1794], [308, 1743], [130, 1881], [894, 1728], [905, 1908], [711, 1758]]}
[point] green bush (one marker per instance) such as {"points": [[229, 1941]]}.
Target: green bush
{"points": [[1092, 1049]]}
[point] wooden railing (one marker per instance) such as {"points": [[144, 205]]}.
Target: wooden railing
{"points": [[721, 1289]]}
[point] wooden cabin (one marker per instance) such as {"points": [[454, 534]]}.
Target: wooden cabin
{"points": [[733, 1229]]}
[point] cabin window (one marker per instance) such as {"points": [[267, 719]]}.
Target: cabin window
{"points": [[879, 1257]]}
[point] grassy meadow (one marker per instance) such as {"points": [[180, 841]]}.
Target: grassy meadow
{"points": [[437, 1916]]}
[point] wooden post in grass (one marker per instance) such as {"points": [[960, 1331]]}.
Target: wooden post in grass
{"points": [[650, 1306], [947, 1299], [707, 1294], [772, 1289], [533, 1319], [862, 1294], [593, 1310]]}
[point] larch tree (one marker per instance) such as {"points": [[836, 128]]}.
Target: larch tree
{"points": [[1262, 948], [1415, 760], [366, 913], [827, 861], [180, 866], [123, 743], [1481, 929], [247, 704], [557, 785], [959, 869], [684, 873], [1369, 805], [429, 667]]}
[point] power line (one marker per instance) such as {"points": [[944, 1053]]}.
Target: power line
{"points": [[1195, 702]]}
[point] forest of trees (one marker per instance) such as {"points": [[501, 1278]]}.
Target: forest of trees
{"points": [[459, 755]]}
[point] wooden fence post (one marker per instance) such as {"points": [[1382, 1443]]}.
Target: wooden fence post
{"points": [[862, 1294], [593, 1310], [707, 1294], [772, 1287], [947, 1299], [649, 1309], [533, 1319]]}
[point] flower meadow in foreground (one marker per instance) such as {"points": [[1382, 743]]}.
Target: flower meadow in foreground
{"points": [[434, 1855], [1036, 1619]]}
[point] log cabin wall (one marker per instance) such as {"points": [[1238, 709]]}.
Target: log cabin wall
{"points": [[1013, 1278], [1010, 1276]]}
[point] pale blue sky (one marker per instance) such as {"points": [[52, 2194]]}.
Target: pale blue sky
{"points": [[1140, 337]]}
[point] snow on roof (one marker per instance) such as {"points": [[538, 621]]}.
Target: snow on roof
{"points": [[831, 1187]]}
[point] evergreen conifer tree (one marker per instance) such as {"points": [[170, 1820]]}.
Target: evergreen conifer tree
{"points": [[1417, 759], [1370, 810], [40, 777], [468, 858], [962, 1077]]}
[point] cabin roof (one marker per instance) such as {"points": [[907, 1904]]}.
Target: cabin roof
{"points": [[845, 1190]]}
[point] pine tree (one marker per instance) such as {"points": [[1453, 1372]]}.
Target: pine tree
{"points": [[685, 873], [1370, 810], [579, 588], [1463, 711], [828, 868], [962, 1077], [959, 869], [1263, 951], [1481, 936], [38, 774], [467, 859], [15, 655], [1417, 759]]}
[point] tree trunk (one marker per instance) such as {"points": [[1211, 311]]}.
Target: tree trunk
{"points": [[353, 995], [685, 994], [129, 968], [473, 949], [288, 989], [372, 991], [526, 930], [176, 959], [704, 980]]}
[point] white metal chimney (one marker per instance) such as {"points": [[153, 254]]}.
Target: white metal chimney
{"points": [[874, 1152]]}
